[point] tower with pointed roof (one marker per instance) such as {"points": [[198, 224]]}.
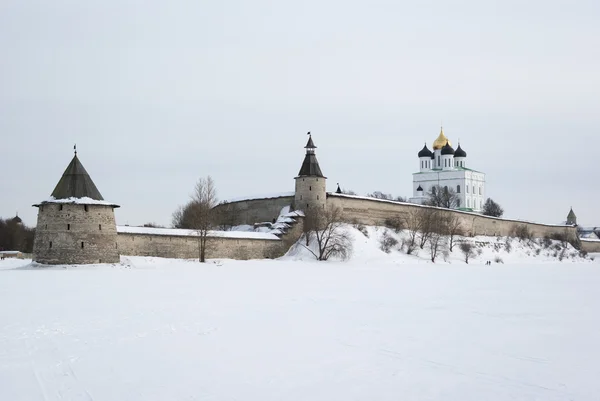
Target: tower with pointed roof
{"points": [[310, 183], [75, 225], [571, 218], [446, 167]]}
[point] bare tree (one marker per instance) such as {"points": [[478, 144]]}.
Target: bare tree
{"points": [[439, 228], [396, 223], [227, 215], [412, 224], [468, 250], [491, 208], [429, 223], [454, 229], [198, 214], [384, 196], [326, 228], [522, 232], [152, 225], [380, 195], [437, 244], [442, 197]]}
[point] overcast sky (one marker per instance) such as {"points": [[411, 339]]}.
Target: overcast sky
{"points": [[158, 94]]}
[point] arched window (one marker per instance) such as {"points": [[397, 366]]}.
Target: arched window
{"points": [[458, 203], [458, 189], [439, 163]]}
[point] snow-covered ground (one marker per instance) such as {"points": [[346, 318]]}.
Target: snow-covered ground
{"points": [[377, 327]]}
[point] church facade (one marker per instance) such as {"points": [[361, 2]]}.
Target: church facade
{"points": [[445, 167]]}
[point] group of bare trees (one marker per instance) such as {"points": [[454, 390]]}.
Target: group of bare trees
{"points": [[384, 196], [15, 236], [325, 235], [442, 197], [430, 229]]}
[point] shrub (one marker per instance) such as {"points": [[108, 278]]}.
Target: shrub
{"points": [[547, 242], [498, 259], [468, 250], [387, 242], [395, 223], [522, 232], [362, 229]]}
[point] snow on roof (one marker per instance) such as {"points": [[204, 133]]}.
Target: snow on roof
{"points": [[183, 233], [78, 201], [295, 213], [263, 196], [441, 208], [10, 252], [589, 239]]}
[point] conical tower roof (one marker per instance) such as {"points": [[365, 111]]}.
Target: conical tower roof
{"points": [[571, 218], [310, 165], [310, 144], [76, 183]]}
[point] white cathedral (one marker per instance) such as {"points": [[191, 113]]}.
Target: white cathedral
{"points": [[446, 167]]}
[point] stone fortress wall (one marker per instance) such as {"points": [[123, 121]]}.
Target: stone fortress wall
{"points": [[175, 243], [257, 210], [590, 245], [75, 234], [370, 211]]}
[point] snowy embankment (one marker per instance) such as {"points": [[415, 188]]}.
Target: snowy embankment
{"points": [[367, 329], [368, 242]]}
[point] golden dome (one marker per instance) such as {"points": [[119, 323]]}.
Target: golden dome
{"points": [[441, 141]]}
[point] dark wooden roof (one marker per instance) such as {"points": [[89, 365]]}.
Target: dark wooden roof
{"points": [[310, 167], [76, 183]]}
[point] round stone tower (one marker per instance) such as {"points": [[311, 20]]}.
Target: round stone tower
{"points": [[76, 225], [310, 182]]}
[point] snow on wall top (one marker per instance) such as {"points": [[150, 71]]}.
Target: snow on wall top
{"points": [[183, 233], [441, 208], [78, 201], [263, 196]]}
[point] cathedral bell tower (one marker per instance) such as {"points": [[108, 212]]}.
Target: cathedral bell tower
{"points": [[310, 182]]}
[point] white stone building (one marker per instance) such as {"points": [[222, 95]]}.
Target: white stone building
{"points": [[446, 167]]}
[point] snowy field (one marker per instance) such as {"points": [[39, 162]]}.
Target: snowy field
{"points": [[368, 329]]}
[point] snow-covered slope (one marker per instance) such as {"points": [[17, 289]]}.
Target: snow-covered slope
{"points": [[367, 243], [377, 327]]}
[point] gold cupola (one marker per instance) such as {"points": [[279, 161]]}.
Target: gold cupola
{"points": [[441, 141]]}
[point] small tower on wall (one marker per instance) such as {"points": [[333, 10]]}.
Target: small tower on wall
{"points": [[75, 225], [571, 218], [310, 182]]}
